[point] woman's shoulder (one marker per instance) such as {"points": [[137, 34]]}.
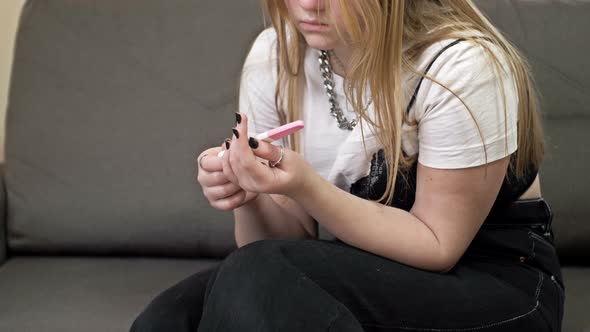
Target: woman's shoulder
{"points": [[461, 55], [466, 103]]}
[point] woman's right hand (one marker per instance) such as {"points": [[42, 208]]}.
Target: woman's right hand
{"points": [[222, 194]]}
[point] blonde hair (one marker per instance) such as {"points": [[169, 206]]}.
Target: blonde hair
{"points": [[377, 31]]}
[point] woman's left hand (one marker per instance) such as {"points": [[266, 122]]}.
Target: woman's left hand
{"points": [[243, 167]]}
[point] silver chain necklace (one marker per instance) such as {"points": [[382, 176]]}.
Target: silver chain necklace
{"points": [[335, 109]]}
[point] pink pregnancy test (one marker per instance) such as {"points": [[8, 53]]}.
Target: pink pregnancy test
{"points": [[277, 133], [280, 132]]}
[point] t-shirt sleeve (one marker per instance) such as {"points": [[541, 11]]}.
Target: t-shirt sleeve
{"points": [[258, 83], [448, 134]]}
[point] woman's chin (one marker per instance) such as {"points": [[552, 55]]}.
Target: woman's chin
{"points": [[319, 42]]}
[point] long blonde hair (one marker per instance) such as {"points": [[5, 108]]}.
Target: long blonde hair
{"points": [[377, 31]]}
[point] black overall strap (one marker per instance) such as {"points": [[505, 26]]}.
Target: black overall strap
{"points": [[413, 100]]}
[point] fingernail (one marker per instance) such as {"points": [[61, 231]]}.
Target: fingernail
{"points": [[227, 143], [236, 132], [253, 143], [238, 118]]}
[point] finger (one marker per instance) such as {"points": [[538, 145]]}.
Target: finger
{"points": [[200, 159], [224, 146], [211, 163], [242, 158], [227, 168], [265, 150], [216, 193], [240, 138], [212, 179], [230, 203], [207, 163]]}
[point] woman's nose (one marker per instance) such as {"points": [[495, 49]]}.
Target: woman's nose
{"points": [[312, 5]]}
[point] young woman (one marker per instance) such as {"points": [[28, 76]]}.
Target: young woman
{"points": [[420, 153]]}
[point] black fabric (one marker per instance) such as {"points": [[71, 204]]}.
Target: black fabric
{"points": [[374, 185], [178, 308], [508, 280]]}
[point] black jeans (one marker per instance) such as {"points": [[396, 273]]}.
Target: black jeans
{"points": [[508, 280]]}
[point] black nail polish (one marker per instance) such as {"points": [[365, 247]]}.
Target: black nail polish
{"points": [[253, 143], [238, 118], [236, 132], [227, 143]]}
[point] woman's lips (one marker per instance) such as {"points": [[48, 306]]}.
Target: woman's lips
{"points": [[313, 26]]}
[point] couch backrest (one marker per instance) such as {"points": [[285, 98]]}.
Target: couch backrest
{"points": [[111, 100], [553, 35]]}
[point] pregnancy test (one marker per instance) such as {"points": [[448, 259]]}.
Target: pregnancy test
{"points": [[280, 132], [277, 133]]}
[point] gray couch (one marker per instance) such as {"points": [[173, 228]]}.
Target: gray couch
{"points": [[111, 100]]}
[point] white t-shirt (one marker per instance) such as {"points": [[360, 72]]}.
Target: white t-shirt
{"points": [[445, 136]]}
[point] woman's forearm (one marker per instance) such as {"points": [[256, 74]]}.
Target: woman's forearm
{"points": [[264, 218], [387, 231]]}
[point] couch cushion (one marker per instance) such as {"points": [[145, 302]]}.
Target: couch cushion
{"points": [[84, 294], [550, 34], [110, 101], [2, 216], [107, 105], [577, 294], [565, 184]]}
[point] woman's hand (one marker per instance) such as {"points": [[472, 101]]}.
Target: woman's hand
{"points": [[242, 167], [222, 194]]}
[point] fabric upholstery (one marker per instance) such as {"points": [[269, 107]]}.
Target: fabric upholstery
{"points": [[577, 297], [109, 104], [73, 294], [142, 72], [565, 182], [550, 34], [2, 216]]}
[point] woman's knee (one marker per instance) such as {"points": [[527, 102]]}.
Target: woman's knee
{"points": [[163, 314], [259, 265], [257, 251], [178, 308]]}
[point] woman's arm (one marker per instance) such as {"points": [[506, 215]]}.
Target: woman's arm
{"points": [[454, 193], [272, 216], [450, 207]]}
